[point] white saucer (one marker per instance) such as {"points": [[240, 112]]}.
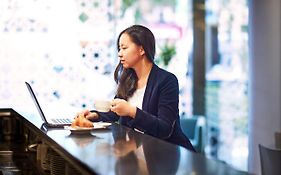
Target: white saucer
{"points": [[87, 130], [101, 125], [79, 130]]}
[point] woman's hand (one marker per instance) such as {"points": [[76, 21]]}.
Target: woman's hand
{"points": [[81, 121], [88, 115], [123, 108]]}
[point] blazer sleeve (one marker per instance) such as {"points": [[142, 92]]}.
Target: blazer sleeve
{"points": [[106, 116], [160, 119]]}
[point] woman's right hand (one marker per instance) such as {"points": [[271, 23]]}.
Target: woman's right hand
{"points": [[83, 119], [88, 115]]}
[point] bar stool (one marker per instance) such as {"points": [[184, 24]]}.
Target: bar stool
{"points": [[270, 160]]}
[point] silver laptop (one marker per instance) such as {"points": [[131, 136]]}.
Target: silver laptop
{"points": [[54, 122]]}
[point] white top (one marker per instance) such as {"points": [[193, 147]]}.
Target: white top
{"points": [[137, 98]]}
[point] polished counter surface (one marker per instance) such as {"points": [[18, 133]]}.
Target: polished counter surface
{"points": [[121, 150]]}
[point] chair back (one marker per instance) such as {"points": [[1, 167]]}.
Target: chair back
{"points": [[194, 129], [270, 160]]}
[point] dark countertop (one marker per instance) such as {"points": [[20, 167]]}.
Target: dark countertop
{"points": [[121, 150]]}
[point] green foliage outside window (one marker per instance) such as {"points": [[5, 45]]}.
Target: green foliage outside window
{"points": [[167, 52]]}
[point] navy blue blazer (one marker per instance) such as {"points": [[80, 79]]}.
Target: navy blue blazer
{"points": [[159, 116]]}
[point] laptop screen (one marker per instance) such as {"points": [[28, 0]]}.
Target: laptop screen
{"points": [[55, 122], [36, 102]]}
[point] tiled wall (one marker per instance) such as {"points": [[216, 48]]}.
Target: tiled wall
{"points": [[64, 48]]}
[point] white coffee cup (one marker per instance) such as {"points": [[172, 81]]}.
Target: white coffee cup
{"points": [[102, 105]]}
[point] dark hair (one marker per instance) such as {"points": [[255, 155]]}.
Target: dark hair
{"points": [[127, 78]]}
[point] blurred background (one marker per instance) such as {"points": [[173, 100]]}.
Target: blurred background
{"points": [[68, 51]]}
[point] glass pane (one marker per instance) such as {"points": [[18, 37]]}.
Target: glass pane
{"points": [[227, 80]]}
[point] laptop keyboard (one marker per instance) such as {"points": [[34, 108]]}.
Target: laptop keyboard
{"points": [[61, 121]]}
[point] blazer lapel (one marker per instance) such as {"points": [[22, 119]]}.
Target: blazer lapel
{"points": [[149, 87]]}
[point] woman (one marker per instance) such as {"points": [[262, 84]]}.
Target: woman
{"points": [[147, 96]]}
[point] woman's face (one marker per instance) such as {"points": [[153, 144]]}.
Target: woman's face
{"points": [[129, 53]]}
